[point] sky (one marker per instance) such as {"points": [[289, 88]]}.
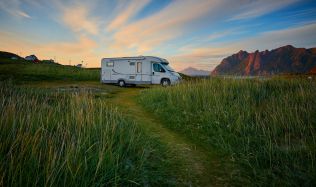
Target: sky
{"points": [[188, 33]]}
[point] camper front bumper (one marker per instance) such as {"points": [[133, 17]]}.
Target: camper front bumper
{"points": [[176, 80]]}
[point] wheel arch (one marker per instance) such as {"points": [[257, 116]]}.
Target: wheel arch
{"points": [[164, 78], [120, 79]]}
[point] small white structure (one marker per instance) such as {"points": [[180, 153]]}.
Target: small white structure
{"points": [[31, 58], [138, 70], [79, 65]]}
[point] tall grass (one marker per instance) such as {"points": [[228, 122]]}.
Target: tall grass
{"points": [[267, 127], [74, 139], [41, 72]]}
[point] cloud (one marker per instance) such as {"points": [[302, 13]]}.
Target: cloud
{"points": [[80, 49], [175, 20], [126, 13], [299, 36], [205, 58], [222, 34], [167, 24], [22, 14], [251, 9], [77, 18], [208, 57], [80, 46], [13, 8], [163, 32]]}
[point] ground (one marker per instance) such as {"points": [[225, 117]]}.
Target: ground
{"points": [[199, 167]]}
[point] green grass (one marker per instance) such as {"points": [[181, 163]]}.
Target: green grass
{"points": [[56, 138], [265, 127], [21, 71], [59, 128]]}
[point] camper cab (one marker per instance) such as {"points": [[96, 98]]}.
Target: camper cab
{"points": [[138, 70]]}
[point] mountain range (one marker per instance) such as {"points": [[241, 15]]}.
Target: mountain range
{"points": [[195, 72], [283, 60]]}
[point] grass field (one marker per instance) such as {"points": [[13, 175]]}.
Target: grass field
{"points": [[61, 127], [55, 138], [21, 70], [265, 127]]}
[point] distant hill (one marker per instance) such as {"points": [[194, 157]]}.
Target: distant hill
{"points": [[286, 59], [19, 69], [194, 72], [8, 55]]}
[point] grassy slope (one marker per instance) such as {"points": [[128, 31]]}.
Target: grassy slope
{"points": [[255, 123], [61, 132], [267, 127], [21, 70], [164, 167]]}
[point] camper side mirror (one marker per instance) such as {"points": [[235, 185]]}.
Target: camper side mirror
{"points": [[153, 73]]}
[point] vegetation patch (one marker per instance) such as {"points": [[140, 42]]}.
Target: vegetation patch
{"points": [[52, 138], [266, 127], [24, 71]]}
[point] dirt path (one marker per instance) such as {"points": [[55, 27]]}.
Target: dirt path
{"points": [[201, 167]]}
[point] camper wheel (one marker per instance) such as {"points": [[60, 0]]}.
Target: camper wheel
{"points": [[121, 83], [165, 82]]}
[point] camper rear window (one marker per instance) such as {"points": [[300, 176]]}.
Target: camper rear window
{"points": [[109, 64]]}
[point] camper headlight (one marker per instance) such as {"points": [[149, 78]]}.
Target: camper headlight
{"points": [[176, 74]]}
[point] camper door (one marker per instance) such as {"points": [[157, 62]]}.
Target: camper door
{"points": [[157, 73], [107, 70], [139, 70]]}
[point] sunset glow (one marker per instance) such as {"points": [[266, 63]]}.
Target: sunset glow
{"points": [[187, 33]]}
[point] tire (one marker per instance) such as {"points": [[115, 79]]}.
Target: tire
{"points": [[165, 82], [121, 83]]}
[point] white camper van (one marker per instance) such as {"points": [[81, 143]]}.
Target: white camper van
{"points": [[138, 70]]}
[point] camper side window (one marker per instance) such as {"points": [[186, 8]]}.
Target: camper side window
{"points": [[139, 67], [158, 68], [109, 64]]}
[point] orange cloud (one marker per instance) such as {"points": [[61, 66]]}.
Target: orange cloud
{"points": [[133, 8], [77, 18], [76, 51], [207, 57], [165, 25], [203, 58], [123, 36]]}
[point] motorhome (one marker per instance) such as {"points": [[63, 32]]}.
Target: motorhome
{"points": [[138, 70]]}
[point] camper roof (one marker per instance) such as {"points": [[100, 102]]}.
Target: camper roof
{"points": [[137, 58], [126, 58], [161, 59]]}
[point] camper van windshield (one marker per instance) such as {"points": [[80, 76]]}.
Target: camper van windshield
{"points": [[166, 65]]}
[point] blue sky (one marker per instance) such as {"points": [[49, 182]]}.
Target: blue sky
{"points": [[196, 33]]}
